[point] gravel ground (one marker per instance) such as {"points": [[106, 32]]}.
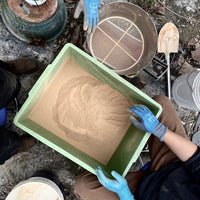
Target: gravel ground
{"points": [[23, 165]]}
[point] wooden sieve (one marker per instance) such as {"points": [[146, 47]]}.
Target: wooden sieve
{"points": [[124, 39]]}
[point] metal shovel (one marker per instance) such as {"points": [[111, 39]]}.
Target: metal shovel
{"points": [[168, 41]]}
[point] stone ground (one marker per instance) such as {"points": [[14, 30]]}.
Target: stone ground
{"points": [[23, 165]]}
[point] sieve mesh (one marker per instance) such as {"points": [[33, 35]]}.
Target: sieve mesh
{"points": [[117, 42]]}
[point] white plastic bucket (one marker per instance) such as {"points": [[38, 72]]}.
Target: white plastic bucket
{"points": [[186, 90], [36, 188]]}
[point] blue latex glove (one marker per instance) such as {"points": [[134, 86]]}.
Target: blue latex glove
{"points": [[92, 12], [118, 186], [147, 121]]}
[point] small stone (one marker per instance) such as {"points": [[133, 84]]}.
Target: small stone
{"points": [[181, 61], [160, 7], [192, 42], [186, 68], [183, 122], [197, 45], [196, 54]]}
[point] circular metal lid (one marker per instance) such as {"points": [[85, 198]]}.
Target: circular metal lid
{"points": [[36, 13]]}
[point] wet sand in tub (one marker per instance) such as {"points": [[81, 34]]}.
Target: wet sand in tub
{"points": [[83, 111]]}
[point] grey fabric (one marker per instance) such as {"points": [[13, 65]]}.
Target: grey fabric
{"points": [[160, 131]]}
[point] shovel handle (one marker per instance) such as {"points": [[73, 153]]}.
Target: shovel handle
{"points": [[168, 75]]}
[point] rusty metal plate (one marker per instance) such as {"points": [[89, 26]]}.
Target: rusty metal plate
{"points": [[38, 13]]}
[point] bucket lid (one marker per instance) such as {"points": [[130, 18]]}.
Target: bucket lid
{"points": [[35, 189], [196, 138], [186, 90], [196, 90]]}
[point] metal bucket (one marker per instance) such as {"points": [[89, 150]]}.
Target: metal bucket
{"points": [[142, 40], [26, 29]]}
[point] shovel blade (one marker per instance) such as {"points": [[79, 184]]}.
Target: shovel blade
{"points": [[168, 39]]}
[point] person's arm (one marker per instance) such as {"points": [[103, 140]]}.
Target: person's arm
{"points": [[146, 121], [182, 147]]}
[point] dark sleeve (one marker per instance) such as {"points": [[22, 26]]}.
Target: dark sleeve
{"points": [[192, 165]]}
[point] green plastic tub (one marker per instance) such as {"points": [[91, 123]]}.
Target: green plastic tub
{"points": [[132, 143]]}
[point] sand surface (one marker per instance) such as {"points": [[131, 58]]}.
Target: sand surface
{"points": [[83, 111]]}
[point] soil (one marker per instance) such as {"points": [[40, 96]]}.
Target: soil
{"points": [[83, 111], [183, 13]]}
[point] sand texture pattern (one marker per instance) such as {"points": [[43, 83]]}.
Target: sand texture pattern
{"points": [[83, 111]]}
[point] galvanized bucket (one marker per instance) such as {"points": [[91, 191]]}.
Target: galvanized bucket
{"points": [[27, 30]]}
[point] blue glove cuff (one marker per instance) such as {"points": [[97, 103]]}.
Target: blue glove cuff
{"points": [[160, 131], [128, 196]]}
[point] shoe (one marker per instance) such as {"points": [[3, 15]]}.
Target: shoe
{"points": [[9, 87], [22, 66], [25, 143], [9, 142]]}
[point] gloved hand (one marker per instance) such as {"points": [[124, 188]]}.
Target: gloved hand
{"points": [[118, 186], [147, 121], [81, 8], [90, 10]]}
